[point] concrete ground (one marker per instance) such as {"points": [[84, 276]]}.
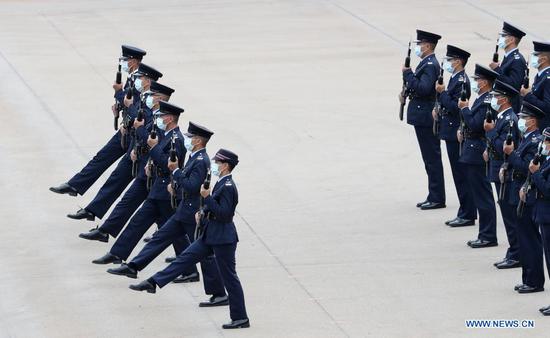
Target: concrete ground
{"points": [[305, 92]]}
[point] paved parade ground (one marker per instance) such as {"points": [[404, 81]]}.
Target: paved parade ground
{"points": [[305, 91]]}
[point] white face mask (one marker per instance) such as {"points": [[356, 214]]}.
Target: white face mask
{"points": [[535, 61], [545, 151], [474, 86], [494, 103], [124, 66], [215, 169], [502, 42], [188, 143], [418, 50], [448, 66], [138, 84], [160, 123], [149, 102], [522, 126]]}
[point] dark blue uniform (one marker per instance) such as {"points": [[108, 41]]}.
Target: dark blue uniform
{"points": [[527, 230], [421, 90], [496, 139], [472, 158], [108, 155], [512, 71], [136, 193], [450, 122], [181, 226], [541, 211], [540, 95], [220, 238], [157, 207]]}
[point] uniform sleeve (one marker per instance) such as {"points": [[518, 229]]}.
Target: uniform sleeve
{"points": [[223, 209], [542, 184], [194, 181], [516, 75], [161, 158], [498, 142], [543, 104], [474, 122], [522, 164], [423, 86]]}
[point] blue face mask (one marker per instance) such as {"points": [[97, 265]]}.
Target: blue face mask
{"points": [[188, 143], [138, 84], [124, 66], [418, 50], [448, 66], [160, 123], [149, 102], [215, 169], [502, 42], [474, 86], [522, 126], [494, 103], [535, 61]]}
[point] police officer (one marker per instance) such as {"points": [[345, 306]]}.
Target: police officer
{"points": [[219, 238], [497, 131], [541, 211], [112, 151], [137, 193], [122, 175], [449, 114], [157, 207], [421, 91], [473, 138], [513, 66], [539, 94], [527, 230]]}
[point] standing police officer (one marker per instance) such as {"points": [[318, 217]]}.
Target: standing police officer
{"points": [[219, 238], [450, 121], [421, 91], [513, 66], [539, 94], [473, 147]]}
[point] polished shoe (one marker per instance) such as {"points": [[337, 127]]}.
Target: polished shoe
{"points": [[546, 308], [108, 259], [461, 222], [481, 243], [194, 277], [419, 204], [144, 286], [64, 188], [237, 324], [432, 205], [215, 301], [546, 312], [95, 235], [519, 286], [170, 259], [508, 264], [81, 214], [499, 262], [530, 289], [123, 270], [451, 220]]}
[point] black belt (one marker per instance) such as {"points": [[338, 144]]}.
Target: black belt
{"points": [[213, 217], [425, 98], [518, 176], [540, 196], [473, 136]]}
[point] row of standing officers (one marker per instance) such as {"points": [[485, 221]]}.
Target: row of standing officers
{"points": [[168, 172], [503, 138]]}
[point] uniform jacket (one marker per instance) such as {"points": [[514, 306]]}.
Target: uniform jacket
{"points": [[189, 180], [220, 205], [421, 90], [519, 163], [540, 95], [541, 180], [497, 137], [512, 71], [473, 147], [450, 118]]}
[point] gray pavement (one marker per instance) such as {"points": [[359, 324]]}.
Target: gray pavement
{"points": [[305, 92]]}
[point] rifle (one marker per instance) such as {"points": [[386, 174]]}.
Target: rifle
{"points": [[495, 54], [463, 97], [528, 184], [152, 171], [488, 119], [173, 199], [137, 144], [505, 165], [118, 80], [198, 228], [126, 120], [404, 89], [437, 106]]}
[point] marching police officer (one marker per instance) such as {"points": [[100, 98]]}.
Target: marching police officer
{"points": [[527, 230], [473, 136], [421, 91], [157, 207], [450, 121], [122, 175], [138, 191], [112, 151], [219, 238], [541, 211], [513, 66], [539, 94]]}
